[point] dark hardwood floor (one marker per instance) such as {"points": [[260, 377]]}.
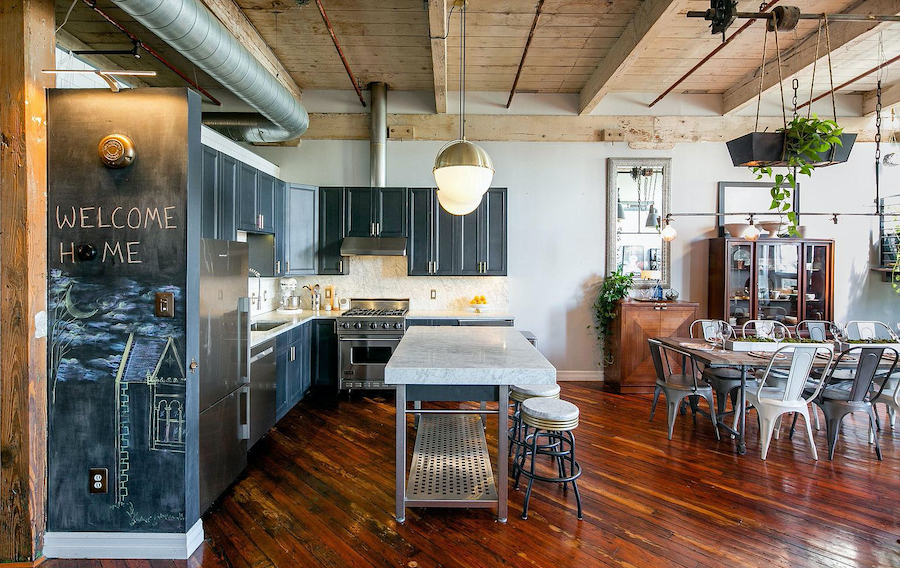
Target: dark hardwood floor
{"points": [[319, 491]]}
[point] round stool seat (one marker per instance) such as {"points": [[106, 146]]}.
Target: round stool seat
{"points": [[550, 414], [521, 393]]}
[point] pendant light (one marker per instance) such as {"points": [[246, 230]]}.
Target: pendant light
{"points": [[462, 170], [621, 214], [652, 216]]}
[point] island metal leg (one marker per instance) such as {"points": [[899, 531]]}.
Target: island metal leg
{"points": [[401, 453], [502, 465], [742, 428]]}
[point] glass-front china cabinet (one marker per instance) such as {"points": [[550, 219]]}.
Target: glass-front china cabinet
{"points": [[781, 279]]}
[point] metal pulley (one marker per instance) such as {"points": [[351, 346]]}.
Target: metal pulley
{"points": [[785, 18]]}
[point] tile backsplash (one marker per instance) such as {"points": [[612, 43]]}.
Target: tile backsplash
{"points": [[386, 277]]}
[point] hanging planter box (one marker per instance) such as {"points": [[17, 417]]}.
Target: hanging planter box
{"points": [[767, 149]]}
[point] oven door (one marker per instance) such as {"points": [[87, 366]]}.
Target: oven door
{"points": [[363, 360]]}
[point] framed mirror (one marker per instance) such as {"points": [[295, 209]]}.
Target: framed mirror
{"points": [[637, 199]]}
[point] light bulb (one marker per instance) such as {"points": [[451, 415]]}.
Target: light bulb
{"points": [[751, 233], [455, 207], [463, 171], [669, 233]]}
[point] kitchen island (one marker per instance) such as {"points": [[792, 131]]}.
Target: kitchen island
{"points": [[451, 464]]}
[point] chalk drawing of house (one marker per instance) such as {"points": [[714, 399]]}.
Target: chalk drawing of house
{"points": [[150, 378]]}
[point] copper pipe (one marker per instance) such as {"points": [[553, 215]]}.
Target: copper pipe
{"points": [[337, 46], [851, 81], [711, 54], [534, 23], [93, 6]]}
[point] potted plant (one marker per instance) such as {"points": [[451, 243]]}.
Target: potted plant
{"points": [[614, 288], [804, 145]]}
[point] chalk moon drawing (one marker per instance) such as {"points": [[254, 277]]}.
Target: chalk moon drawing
{"points": [[73, 310]]}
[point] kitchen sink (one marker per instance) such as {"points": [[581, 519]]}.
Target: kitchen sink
{"points": [[265, 325]]}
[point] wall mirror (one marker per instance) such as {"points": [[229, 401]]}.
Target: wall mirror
{"points": [[637, 199]]}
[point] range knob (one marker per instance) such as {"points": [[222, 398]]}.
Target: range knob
{"points": [[398, 326], [357, 325], [385, 325], [345, 325], [373, 325]]}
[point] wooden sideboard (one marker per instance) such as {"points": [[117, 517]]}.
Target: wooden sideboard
{"points": [[631, 370]]}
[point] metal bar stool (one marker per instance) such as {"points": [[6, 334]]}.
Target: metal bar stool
{"points": [[517, 395], [553, 419]]}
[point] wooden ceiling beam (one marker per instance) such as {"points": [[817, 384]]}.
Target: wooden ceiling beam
{"points": [[844, 35], [646, 24], [236, 22], [890, 96], [437, 25]]}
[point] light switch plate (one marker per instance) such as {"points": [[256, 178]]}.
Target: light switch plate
{"points": [[434, 294], [165, 305], [99, 477]]}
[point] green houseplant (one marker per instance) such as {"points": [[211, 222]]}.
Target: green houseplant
{"points": [[808, 143], [614, 288]]}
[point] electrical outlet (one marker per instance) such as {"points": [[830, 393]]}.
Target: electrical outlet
{"points": [[99, 477], [434, 294], [165, 305]]}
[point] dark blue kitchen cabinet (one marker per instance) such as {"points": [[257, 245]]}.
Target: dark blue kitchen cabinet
{"points": [[324, 354], [457, 245], [229, 180], [300, 234], [247, 218], [306, 358], [331, 231], [415, 322], [280, 226], [265, 202], [283, 368], [293, 362], [209, 187], [430, 246], [375, 211]]}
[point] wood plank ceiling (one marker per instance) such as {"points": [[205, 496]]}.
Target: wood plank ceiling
{"points": [[389, 41]]}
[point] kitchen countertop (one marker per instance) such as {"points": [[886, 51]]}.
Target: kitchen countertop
{"points": [[457, 314], [448, 355], [290, 321]]}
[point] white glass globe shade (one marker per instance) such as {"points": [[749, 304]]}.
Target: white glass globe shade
{"points": [[455, 207], [752, 233], [668, 233], [463, 183]]}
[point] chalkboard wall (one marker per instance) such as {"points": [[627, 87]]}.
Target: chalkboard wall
{"points": [[122, 395]]}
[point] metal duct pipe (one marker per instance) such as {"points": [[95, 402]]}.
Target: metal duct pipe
{"points": [[378, 135], [247, 127], [193, 31]]}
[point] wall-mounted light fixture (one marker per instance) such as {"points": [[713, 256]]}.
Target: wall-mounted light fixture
{"points": [[106, 75]]}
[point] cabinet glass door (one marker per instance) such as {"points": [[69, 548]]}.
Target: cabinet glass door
{"points": [[777, 277], [740, 273], [816, 268]]}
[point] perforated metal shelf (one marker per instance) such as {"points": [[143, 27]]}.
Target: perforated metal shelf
{"points": [[451, 461]]}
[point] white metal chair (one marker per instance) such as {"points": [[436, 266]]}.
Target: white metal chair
{"points": [[890, 397], [772, 403], [817, 330], [769, 329], [856, 330]]}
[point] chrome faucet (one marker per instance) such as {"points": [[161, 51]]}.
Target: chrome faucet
{"points": [[258, 288]]}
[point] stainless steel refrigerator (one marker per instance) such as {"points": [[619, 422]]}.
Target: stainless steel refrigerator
{"points": [[224, 365]]}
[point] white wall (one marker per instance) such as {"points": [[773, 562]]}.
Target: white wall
{"points": [[557, 225]]}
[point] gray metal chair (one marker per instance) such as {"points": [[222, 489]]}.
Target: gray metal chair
{"points": [[724, 381], [837, 400], [678, 386]]}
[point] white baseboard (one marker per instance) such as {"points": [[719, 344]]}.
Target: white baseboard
{"points": [[122, 545], [593, 376]]}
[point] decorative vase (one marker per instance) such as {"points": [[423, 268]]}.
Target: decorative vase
{"points": [[671, 294]]}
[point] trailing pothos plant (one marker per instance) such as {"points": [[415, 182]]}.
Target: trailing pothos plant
{"points": [[614, 288], [805, 139]]}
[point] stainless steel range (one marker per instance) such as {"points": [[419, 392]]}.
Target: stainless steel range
{"points": [[368, 333]]}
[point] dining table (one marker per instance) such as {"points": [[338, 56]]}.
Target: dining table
{"points": [[716, 357]]}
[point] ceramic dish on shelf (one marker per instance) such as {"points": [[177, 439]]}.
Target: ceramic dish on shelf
{"points": [[774, 228], [736, 229]]}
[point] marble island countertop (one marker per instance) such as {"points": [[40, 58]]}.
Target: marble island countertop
{"points": [[457, 314], [448, 355]]}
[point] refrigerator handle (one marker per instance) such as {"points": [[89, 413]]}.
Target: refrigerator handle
{"points": [[244, 340], [244, 419]]}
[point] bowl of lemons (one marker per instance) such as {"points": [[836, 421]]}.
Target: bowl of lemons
{"points": [[478, 304]]}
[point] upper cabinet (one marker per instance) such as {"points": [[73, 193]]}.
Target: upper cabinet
{"points": [[265, 202], [300, 234], [457, 245], [375, 212], [331, 231], [255, 200], [209, 198]]}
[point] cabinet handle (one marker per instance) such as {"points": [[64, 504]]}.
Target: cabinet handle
{"points": [[277, 267], [341, 266], [262, 221], [377, 229], [372, 229], [287, 266]]}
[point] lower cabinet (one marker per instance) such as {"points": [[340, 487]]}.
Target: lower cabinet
{"points": [[324, 353], [480, 321], [293, 362], [631, 370]]}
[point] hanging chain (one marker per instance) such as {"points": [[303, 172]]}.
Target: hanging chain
{"points": [[795, 84], [762, 75], [878, 123]]}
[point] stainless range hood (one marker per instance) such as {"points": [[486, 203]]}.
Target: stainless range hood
{"points": [[373, 246]]}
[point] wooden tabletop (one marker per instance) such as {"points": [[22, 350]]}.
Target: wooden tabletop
{"points": [[722, 358]]}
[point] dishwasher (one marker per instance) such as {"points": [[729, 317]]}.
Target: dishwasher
{"points": [[263, 405]]}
